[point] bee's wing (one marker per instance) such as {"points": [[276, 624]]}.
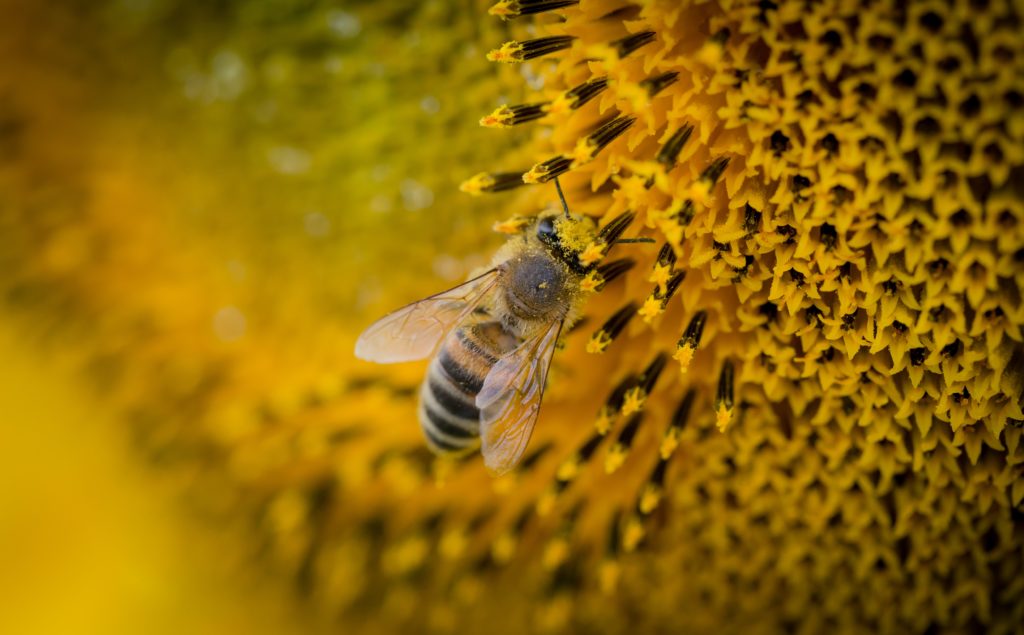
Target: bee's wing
{"points": [[509, 401], [416, 330]]}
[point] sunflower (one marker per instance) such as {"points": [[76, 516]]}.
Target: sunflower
{"points": [[799, 410]]}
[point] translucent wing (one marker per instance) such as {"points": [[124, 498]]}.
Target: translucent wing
{"points": [[509, 401], [415, 331]]}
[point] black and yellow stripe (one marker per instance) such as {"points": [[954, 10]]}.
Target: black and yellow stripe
{"points": [[448, 413]]}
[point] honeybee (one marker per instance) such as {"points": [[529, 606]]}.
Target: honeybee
{"points": [[492, 338]]}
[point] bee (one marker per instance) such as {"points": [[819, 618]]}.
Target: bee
{"points": [[491, 339]]}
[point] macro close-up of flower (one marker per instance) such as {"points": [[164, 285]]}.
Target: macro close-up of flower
{"points": [[787, 399]]}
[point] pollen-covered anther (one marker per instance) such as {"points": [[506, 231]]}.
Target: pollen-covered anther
{"points": [[655, 303], [670, 440], [593, 253], [724, 397], [633, 400], [575, 97], [619, 451], [506, 116], [690, 340], [588, 147], [604, 336], [606, 273], [547, 170], [515, 8], [624, 46], [652, 492], [516, 51], [488, 182], [633, 533], [663, 268]]}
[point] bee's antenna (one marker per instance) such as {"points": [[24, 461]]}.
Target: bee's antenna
{"points": [[565, 205]]}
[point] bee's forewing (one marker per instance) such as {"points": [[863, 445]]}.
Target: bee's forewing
{"points": [[509, 401], [415, 331]]}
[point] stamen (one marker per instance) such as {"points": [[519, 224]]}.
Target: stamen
{"points": [[670, 440], [669, 152], [515, 8], [613, 405], [650, 496], [724, 399], [547, 170], [574, 98], [487, 182], [613, 230], [714, 171], [658, 83], [515, 51], [636, 396], [588, 147], [690, 340], [663, 268], [604, 336], [655, 303], [630, 43], [618, 452], [599, 278], [514, 225], [506, 116]]}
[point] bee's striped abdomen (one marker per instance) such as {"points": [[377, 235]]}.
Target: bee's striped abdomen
{"points": [[448, 413]]}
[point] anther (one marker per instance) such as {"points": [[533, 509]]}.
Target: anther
{"points": [[658, 83], [690, 340], [516, 8], [547, 170], [724, 398], [604, 336], [619, 451], [669, 151], [515, 51], [630, 43], [670, 440], [487, 182], [505, 116], [588, 147]]}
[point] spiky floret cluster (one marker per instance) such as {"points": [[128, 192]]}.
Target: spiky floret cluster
{"points": [[838, 190]]}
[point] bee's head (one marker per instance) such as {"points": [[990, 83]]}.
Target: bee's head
{"points": [[565, 237]]}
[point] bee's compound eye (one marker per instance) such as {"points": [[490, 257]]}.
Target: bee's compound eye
{"points": [[546, 228]]}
